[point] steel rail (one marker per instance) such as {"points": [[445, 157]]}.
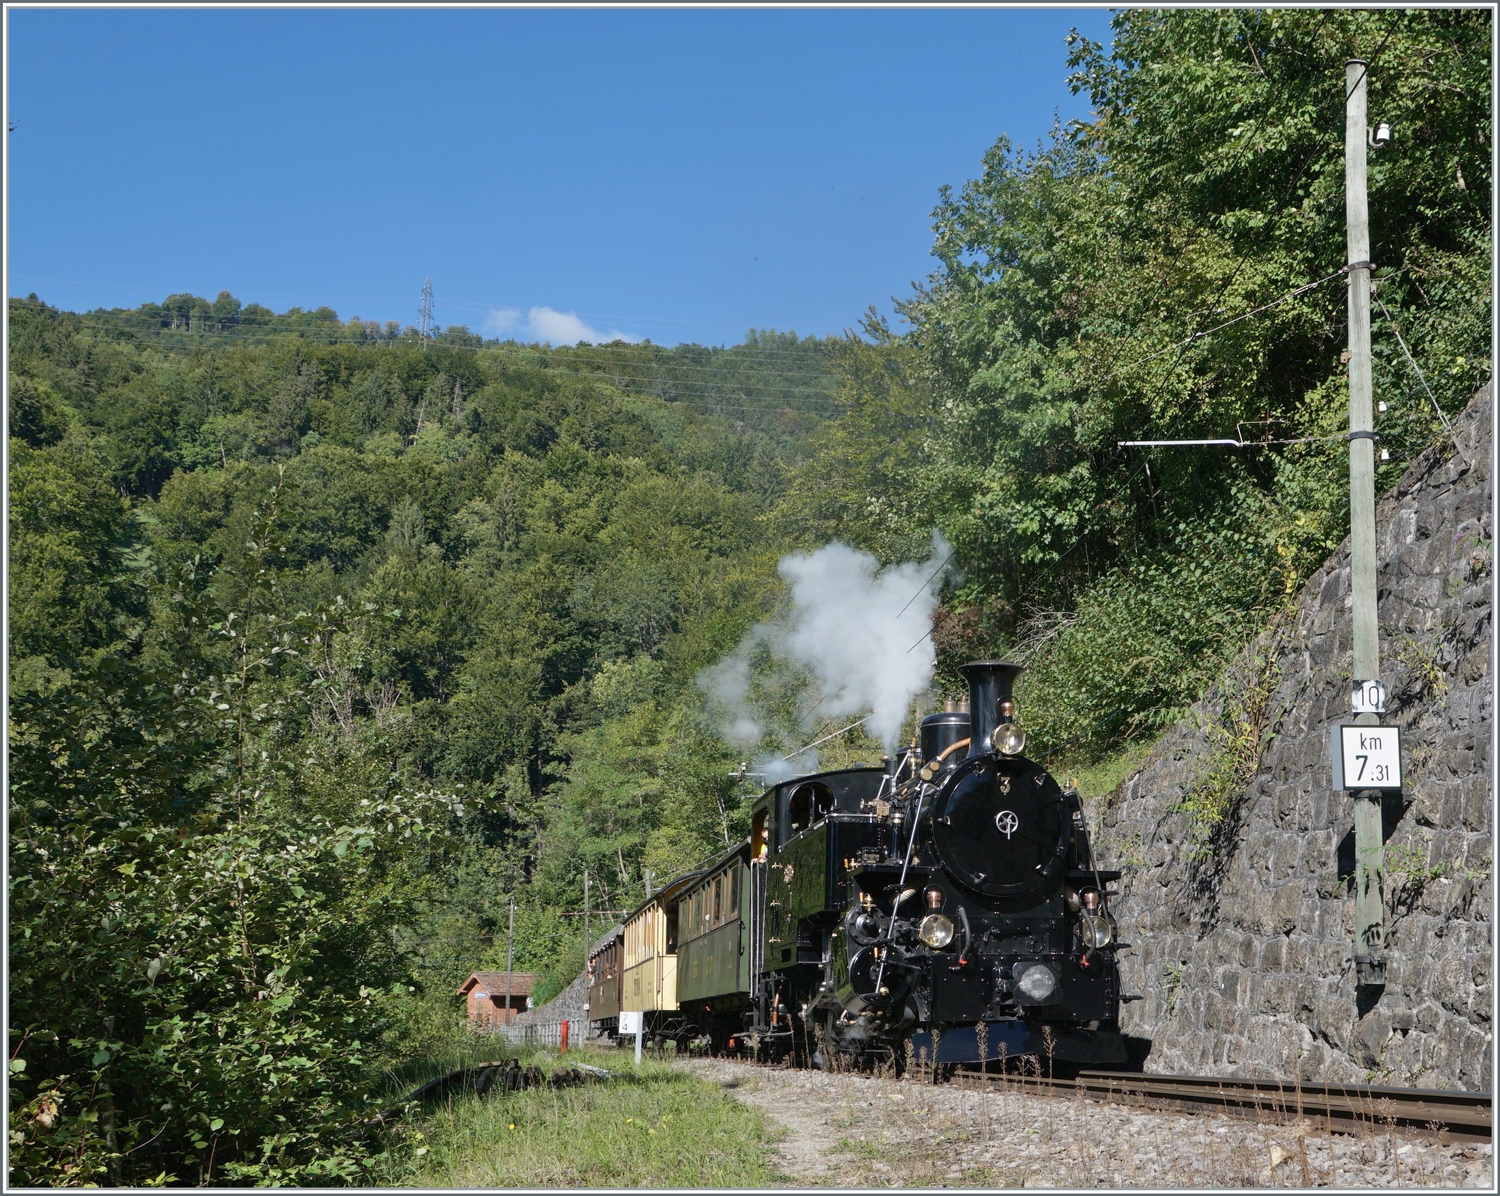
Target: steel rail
{"points": [[1345, 1108]]}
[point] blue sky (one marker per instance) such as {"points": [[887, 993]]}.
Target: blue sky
{"points": [[677, 175]]}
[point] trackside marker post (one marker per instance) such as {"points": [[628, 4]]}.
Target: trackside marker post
{"points": [[1367, 758], [631, 1022]]}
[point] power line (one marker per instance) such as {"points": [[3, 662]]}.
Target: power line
{"points": [[920, 638], [713, 371], [714, 399], [927, 583], [1254, 311], [1318, 142], [1249, 146], [551, 357], [1248, 150], [814, 402], [1412, 361], [826, 738]]}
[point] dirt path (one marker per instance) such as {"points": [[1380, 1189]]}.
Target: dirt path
{"points": [[809, 1151], [860, 1131]]}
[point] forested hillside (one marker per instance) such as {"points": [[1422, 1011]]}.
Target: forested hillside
{"points": [[325, 640], [339, 644]]}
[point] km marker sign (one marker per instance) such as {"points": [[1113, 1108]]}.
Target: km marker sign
{"points": [[1367, 758]]}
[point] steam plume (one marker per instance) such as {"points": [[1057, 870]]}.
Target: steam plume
{"points": [[849, 633]]}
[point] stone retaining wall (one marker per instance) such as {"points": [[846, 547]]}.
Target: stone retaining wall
{"points": [[1243, 943], [570, 1005]]}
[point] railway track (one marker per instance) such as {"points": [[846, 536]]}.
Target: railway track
{"points": [[1452, 1116]]}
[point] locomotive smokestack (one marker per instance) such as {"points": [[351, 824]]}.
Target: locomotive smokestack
{"points": [[990, 683]]}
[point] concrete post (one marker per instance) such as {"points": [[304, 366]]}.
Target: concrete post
{"points": [[1369, 905], [510, 961]]}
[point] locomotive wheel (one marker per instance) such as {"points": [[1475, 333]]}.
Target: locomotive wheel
{"points": [[896, 974], [823, 1054]]}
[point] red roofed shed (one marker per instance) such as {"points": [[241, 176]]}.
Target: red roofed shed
{"points": [[485, 992]]}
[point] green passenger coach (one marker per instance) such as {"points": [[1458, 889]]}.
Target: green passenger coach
{"points": [[713, 947]]}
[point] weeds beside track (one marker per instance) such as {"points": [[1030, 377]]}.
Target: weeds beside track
{"points": [[649, 1127]]}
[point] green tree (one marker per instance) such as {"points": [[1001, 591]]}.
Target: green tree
{"points": [[1076, 306], [201, 927]]}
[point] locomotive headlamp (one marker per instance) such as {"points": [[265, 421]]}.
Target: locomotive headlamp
{"points": [[933, 896], [1037, 984], [1010, 740], [936, 930], [1095, 931]]}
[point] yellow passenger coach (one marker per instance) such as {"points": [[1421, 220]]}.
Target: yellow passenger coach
{"points": [[648, 967]]}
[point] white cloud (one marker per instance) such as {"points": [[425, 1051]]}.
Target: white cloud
{"points": [[565, 328], [554, 327], [502, 321]]}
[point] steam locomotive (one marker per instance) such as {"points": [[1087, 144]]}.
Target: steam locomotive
{"points": [[945, 907]]}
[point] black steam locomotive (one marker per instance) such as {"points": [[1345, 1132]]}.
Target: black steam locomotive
{"points": [[980, 925], [946, 907]]}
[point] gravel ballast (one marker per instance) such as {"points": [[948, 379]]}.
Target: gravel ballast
{"points": [[844, 1130]]}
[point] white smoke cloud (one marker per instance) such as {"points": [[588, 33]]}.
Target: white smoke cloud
{"points": [[773, 769], [855, 630], [553, 327]]}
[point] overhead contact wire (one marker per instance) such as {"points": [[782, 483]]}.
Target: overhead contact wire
{"points": [[1412, 361], [1254, 311]]}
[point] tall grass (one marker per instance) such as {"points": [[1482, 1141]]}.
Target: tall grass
{"points": [[428, 1038], [647, 1127]]}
